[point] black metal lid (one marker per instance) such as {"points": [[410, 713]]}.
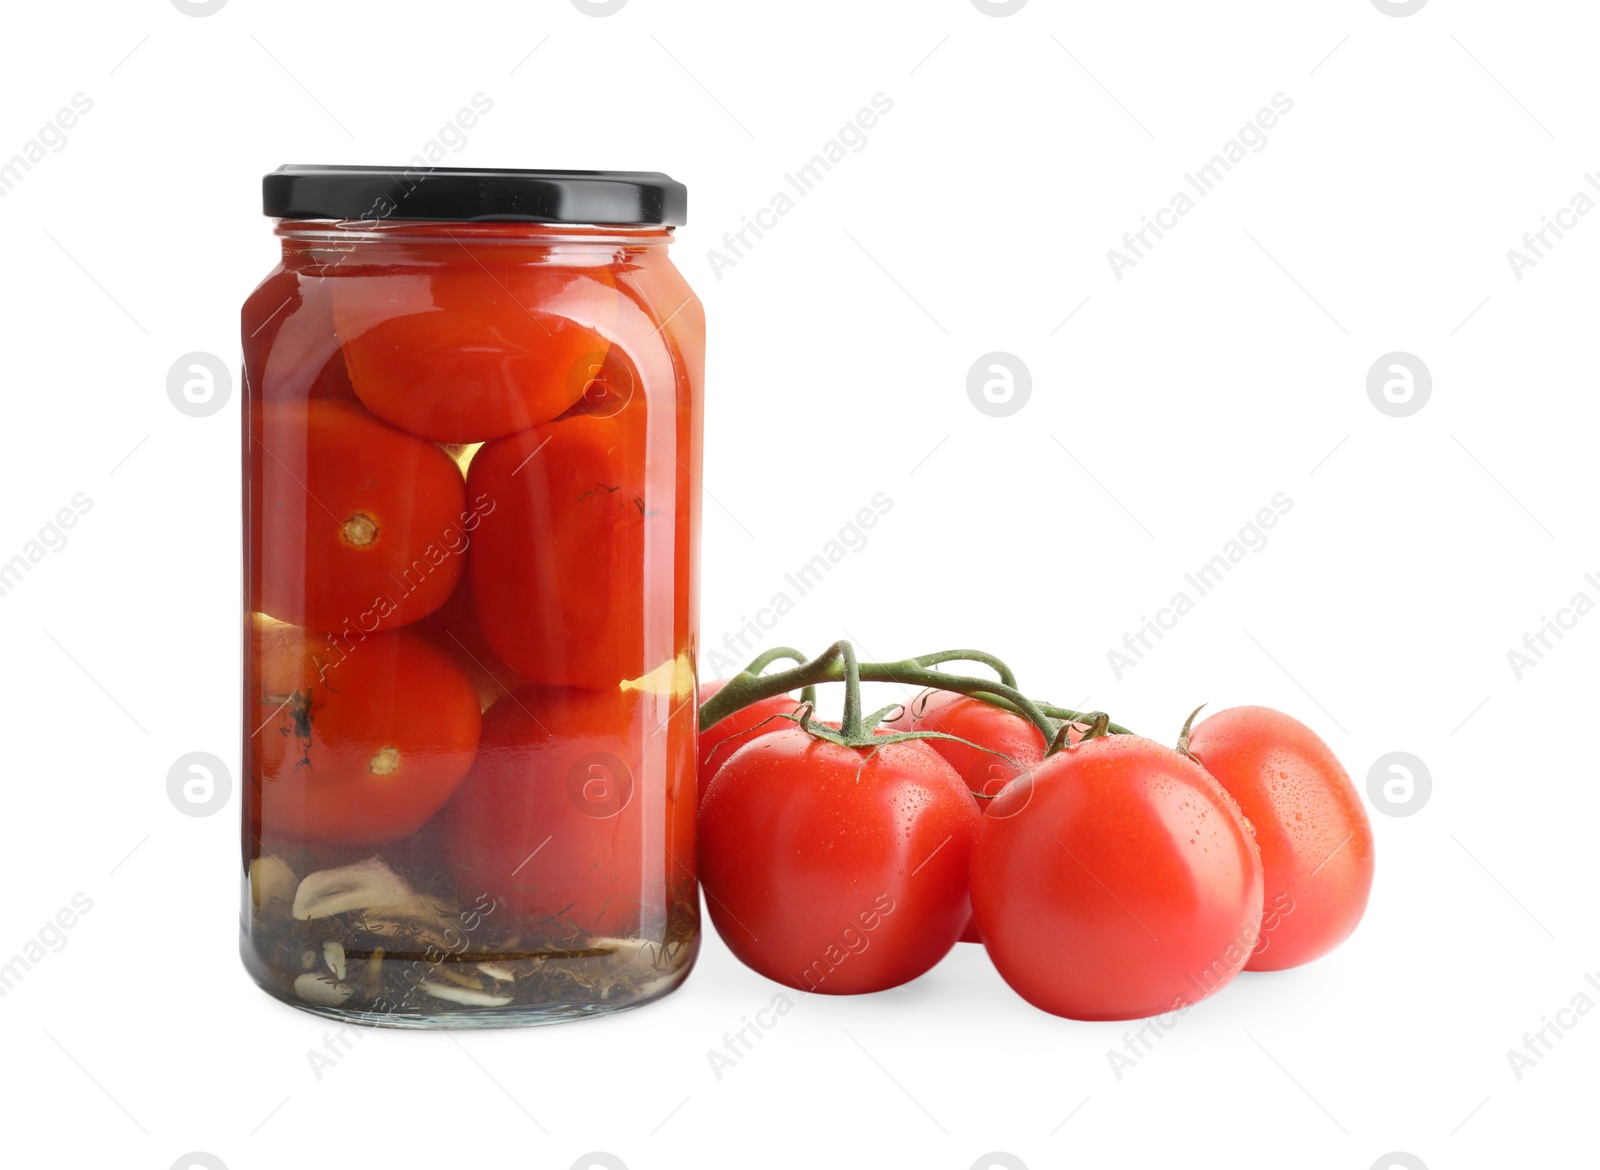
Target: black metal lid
{"points": [[459, 193]]}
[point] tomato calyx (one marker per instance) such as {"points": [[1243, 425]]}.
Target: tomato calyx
{"points": [[1183, 737], [1093, 725], [299, 707]]}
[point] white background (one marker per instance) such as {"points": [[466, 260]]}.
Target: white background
{"points": [[1229, 365]]}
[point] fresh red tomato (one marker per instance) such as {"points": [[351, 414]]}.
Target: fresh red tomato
{"points": [[355, 743], [559, 567], [1019, 743], [721, 740], [1316, 842], [482, 346], [1118, 880], [835, 869], [359, 526], [552, 820]]}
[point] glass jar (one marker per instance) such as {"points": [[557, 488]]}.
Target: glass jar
{"points": [[471, 459]]}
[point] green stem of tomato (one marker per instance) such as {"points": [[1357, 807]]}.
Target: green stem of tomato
{"points": [[1061, 714], [1067, 715], [850, 721], [1000, 668], [762, 661], [838, 663]]}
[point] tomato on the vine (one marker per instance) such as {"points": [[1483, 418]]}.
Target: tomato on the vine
{"points": [[1117, 880], [552, 819], [361, 526], [1316, 842], [836, 869], [720, 741], [358, 743], [1014, 745]]}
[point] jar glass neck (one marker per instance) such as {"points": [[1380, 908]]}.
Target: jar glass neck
{"points": [[304, 238]]}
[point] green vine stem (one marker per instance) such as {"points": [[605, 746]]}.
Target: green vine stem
{"points": [[850, 721], [1084, 717], [1007, 678], [838, 663], [762, 661], [768, 657], [1063, 714]]}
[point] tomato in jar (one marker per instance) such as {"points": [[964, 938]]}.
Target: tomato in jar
{"points": [[358, 743], [552, 818], [478, 348], [362, 524]]}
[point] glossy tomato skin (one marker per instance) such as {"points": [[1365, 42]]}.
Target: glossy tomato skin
{"points": [[561, 819], [1011, 736], [357, 525], [720, 741], [834, 869], [354, 744], [1116, 881], [1315, 838]]}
